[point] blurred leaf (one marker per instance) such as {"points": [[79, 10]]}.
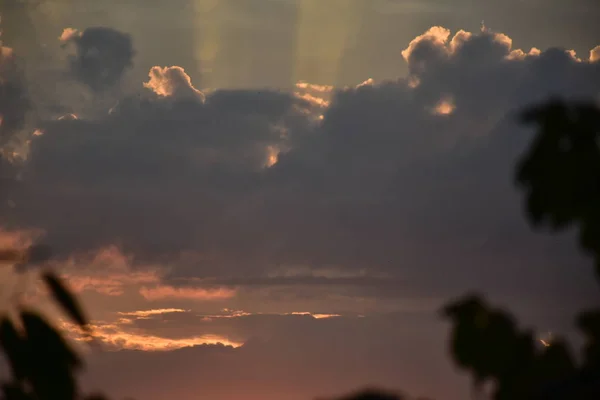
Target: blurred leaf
{"points": [[560, 172], [62, 295], [13, 391], [13, 346], [51, 361]]}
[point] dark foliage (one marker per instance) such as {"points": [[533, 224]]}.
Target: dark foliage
{"points": [[561, 172], [43, 364]]}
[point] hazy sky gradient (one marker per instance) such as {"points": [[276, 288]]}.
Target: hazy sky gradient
{"points": [[257, 43]]}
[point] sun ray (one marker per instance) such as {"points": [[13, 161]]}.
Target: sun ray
{"points": [[209, 32], [325, 31]]}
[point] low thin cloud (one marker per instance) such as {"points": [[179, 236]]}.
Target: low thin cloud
{"points": [[116, 338], [317, 101], [110, 272], [315, 316], [107, 271], [148, 313], [126, 332], [314, 87], [170, 292]]}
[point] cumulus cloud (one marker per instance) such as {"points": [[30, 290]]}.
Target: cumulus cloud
{"points": [[595, 54], [101, 55], [244, 182], [69, 34], [172, 81]]}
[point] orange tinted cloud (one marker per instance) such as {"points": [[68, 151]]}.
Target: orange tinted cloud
{"points": [[313, 87], [316, 316], [595, 54], [171, 81], [110, 285], [110, 272], [19, 240], [117, 338], [69, 34], [444, 107], [227, 313], [147, 313], [314, 100], [437, 34], [191, 293]]}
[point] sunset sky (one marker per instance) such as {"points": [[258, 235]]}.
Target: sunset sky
{"points": [[272, 199]]}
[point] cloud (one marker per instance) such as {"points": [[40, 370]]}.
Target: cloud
{"points": [[14, 100], [595, 54], [165, 291], [69, 34], [148, 313], [107, 271], [101, 55], [116, 338], [291, 356], [172, 81], [407, 179], [168, 329], [111, 273]]}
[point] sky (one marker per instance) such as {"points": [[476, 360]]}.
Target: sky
{"points": [[273, 198]]}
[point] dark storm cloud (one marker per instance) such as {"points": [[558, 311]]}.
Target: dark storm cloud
{"points": [[410, 177], [153, 160], [14, 100], [101, 55]]}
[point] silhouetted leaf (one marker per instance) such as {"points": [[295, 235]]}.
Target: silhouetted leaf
{"points": [[13, 346], [52, 363], [65, 299], [15, 391], [560, 172]]}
